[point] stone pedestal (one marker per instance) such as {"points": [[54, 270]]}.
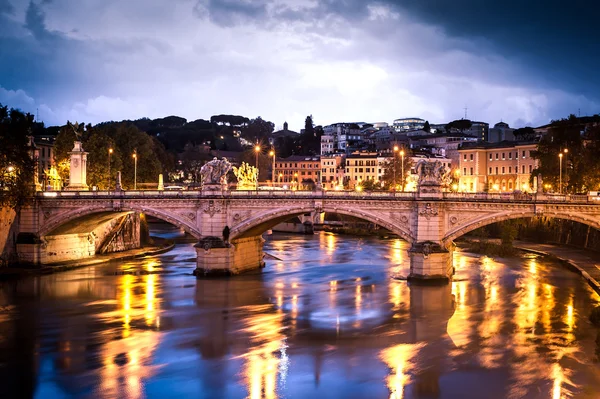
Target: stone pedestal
{"points": [[78, 172], [118, 186], [430, 263], [216, 258], [161, 184]]}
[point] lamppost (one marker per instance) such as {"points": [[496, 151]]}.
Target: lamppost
{"points": [[560, 157], [110, 151], [402, 155], [272, 153], [256, 151], [566, 151], [394, 164], [135, 169]]}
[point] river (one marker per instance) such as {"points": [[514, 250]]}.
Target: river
{"points": [[326, 320]]}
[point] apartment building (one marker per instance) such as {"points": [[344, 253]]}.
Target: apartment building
{"points": [[497, 167], [298, 169]]}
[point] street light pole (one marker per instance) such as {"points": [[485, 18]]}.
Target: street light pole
{"points": [[402, 155], [566, 151], [272, 153], [110, 151], [135, 169], [394, 164], [560, 157]]}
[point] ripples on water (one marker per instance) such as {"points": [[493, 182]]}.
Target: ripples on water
{"points": [[325, 321]]}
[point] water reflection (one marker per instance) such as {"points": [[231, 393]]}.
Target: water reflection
{"points": [[325, 321]]}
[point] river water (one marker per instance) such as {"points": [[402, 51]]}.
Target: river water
{"points": [[326, 320]]}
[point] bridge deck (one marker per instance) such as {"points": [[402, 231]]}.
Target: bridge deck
{"points": [[364, 195]]}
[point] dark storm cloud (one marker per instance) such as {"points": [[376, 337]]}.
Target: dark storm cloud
{"points": [[232, 12], [6, 7]]}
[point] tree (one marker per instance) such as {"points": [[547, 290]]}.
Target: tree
{"points": [[524, 134], [392, 176], [459, 124], [192, 161], [427, 127], [258, 130], [265, 162], [309, 129], [17, 164], [577, 165]]}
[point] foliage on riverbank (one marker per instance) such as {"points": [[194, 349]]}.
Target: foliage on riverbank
{"points": [[489, 248]]}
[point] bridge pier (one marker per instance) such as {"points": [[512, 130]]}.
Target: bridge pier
{"points": [[430, 262], [215, 258]]}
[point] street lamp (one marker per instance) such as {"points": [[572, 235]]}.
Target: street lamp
{"points": [[272, 153], [566, 151], [394, 164], [560, 157], [135, 169], [110, 151], [256, 151], [402, 155]]}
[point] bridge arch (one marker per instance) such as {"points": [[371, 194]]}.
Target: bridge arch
{"points": [[56, 221], [486, 220], [264, 221]]}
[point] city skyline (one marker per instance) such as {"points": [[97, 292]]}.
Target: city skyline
{"points": [[283, 60]]}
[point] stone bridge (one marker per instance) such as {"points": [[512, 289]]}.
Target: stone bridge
{"points": [[430, 222]]}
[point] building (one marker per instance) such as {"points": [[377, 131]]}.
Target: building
{"points": [[360, 167], [298, 170], [283, 133], [441, 144], [500, 132], [407, 124], [497, 167], [478, 129], [344, 135], [332, 171], [327, 144], [44, 151]]}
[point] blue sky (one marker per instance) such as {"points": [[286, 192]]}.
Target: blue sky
{"points": [[524, 62]]}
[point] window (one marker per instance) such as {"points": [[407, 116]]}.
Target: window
{"points": [[464, 157], [496, 170], [530, 168], [471, 186], [368, 170], [464, 171], [491, 156], [510, 155], [496, 155], [510, 169], [523, 153], [471, 171], [360, 170], [503, 157], [510, 187], [471, 157], [503, 170], [490, 170]]}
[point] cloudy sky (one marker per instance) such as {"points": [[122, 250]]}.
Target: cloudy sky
{"points": [[522, 61]]}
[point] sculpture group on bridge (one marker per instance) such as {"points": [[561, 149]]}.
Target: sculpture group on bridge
{"points": [[433, 173], [214, 173], [247, 177]]}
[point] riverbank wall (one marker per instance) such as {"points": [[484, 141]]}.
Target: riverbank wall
{"points": [[8, 235]]}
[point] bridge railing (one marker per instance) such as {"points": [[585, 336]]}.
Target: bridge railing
{"points": [[499, 197]]}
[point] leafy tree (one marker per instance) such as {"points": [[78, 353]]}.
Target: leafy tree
{"points": [[393, 170], [97, 145], [258, 130], [427, 127], [370, 185], [265, 162], [576, 166], [309, 129], [17, 165], [524, 134], [192, 161], [459, 124]]}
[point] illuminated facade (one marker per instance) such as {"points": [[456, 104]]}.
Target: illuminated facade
{"points": [[299, 168], [502, 167], [360, 167]]}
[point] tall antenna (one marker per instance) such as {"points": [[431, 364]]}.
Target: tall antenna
{"points": [[579, 112], [466, 111], [37, 114]]}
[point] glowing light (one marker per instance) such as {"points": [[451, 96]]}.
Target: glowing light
{"points": [[247, 177], [398, 359]]}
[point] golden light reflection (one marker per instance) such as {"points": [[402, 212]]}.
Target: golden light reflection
{"points": [[398, 359], [331, 243], [263, 362], [127, 362]]}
